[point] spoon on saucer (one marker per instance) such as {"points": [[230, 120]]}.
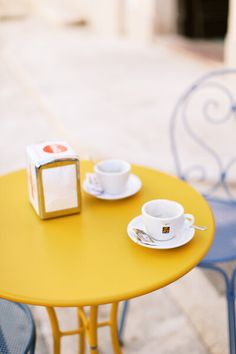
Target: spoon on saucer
{"points": [[200, 228], [143, 236], [146, 238], [93, 183]]}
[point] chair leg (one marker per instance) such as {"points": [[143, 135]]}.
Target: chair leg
{"points": [[32, 347], [231, 321], [229, 285], [122, 321], [3, 342], [233, 281]]}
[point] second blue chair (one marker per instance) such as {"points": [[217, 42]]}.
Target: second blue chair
{"points": [[17, 329], [218, 108]]}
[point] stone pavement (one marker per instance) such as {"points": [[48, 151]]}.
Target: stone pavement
{"points": [[107, 97]]}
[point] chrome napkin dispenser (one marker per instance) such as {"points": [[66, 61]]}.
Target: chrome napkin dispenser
{"points": [[53, 179]]}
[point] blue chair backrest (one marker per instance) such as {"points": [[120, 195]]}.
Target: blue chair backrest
{"points": [[204, 121]]}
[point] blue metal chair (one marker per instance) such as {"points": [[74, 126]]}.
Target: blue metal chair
{"points": [[17, 329], [213, 172]]}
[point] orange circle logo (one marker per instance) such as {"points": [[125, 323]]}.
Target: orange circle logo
{"points": [[54, 148]]}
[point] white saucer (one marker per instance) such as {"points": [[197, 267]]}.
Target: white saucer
{"points": [[184, 237], [134, 184]]}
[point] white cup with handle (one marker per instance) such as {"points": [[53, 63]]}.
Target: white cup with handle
{"points": [[112, 175], [164, 219]]}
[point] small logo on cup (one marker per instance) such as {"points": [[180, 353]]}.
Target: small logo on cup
{"points": [[166, 229]]}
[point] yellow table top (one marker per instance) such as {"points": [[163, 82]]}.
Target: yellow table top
{"points": [[87, 258]]}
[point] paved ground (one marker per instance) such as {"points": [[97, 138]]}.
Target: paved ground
{"points": [[107, 97]]}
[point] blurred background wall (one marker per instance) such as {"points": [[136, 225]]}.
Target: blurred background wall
{"points": [[141, 20]]}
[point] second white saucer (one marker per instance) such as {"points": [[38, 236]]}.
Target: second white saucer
{"points": [[134, 184], [184, 237]]}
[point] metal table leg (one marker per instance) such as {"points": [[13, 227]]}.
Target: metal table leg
{"points": [[87, 328]]}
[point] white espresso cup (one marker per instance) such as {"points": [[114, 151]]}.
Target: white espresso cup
{"points": [[112, 175], [164, 219]]}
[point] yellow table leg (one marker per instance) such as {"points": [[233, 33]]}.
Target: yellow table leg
{"points": [[55, 330], [82, 334], [87, 326], [114, 329], [92, 330]]}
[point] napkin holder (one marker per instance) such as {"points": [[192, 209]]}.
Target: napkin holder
{"points": [[53, 179]]}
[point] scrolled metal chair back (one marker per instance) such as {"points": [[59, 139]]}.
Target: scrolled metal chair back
{"points": [[208, 106]]}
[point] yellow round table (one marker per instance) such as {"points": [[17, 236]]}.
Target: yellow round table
{"points": [[87, 258]]}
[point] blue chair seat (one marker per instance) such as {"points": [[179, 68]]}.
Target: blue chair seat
{"points": [[223, 248], [17, 329]]}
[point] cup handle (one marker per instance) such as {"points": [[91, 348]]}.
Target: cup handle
{"points": [[190, 218]]}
